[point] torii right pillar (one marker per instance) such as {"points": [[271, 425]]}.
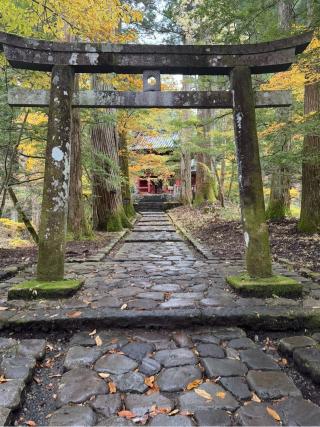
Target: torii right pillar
{"points": [[256, 234]]}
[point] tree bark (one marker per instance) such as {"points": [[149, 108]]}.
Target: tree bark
{"points": [[310, 197], [54, 208], [108, 212], [204, 178], [279, 201], [125, 184], [77, 224], [256, 234], [23, 215]]}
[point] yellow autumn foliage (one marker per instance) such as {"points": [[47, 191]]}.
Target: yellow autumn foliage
{"points": [[12, 225], [304, 71]]}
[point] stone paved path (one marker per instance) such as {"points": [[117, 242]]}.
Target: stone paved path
{"points": [[203, 376], [154, 276]]}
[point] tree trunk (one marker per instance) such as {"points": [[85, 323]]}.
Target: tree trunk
{"points": [[310, 198], [185, 173], [125, 184], [108, 212], [77, 224], [279, 202], [204, 178], [23, 215]]}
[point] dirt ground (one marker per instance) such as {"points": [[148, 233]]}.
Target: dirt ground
{"points": [[74, 249], [225, 237]]}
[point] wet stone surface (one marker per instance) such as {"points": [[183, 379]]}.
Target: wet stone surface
{"points": [[153, 271], [140, 377]]}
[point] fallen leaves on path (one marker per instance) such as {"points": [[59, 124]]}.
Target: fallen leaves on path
{"points": [[98, 341], [255, 398], [74, 314], [3, 379], [202, 393], [126, 414], [194, 384], [112, 387], [103, 375], [273, 414], [221, 394]]}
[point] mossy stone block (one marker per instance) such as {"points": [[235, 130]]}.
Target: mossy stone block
{"points": [[265, 287], [35, 289]]}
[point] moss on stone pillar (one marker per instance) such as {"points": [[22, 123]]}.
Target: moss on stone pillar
{"points": [[256, 234], [53, 220]]}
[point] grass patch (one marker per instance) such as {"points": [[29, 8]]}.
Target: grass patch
{"points": [[265, 287], [34, 289]]}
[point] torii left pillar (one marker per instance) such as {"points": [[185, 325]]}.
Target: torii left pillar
{"points": [[53, 221]]}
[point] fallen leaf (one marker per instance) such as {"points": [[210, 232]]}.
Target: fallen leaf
{"points": [[186, 413], [93, 333], [194, 384], [126, 414], [103, 375], [203, 393], [112, 387], [156, 411], [74, 314], [31, 423], [98, 341], [273, 414], [283, 362], [153, 390], [124, 306], [221, 394], [149, 381], [3, 379], [37, 380], [255, 398], [174, 412]]}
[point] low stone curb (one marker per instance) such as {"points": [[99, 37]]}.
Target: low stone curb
{"points": [[275, 318], [195, 243], [117, 236], [18, 361], [12, 270], [101, 253], [306, 272]]}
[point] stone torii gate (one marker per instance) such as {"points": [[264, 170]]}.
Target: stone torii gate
{"points": [[63, 60]]}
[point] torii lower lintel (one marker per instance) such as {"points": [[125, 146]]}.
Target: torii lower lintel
{"points": [[157, 99]]}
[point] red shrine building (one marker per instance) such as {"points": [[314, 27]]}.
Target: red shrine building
{"points": [[151, 183]]}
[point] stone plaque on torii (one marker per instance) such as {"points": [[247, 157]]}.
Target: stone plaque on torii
{"points": [[65, 59]]}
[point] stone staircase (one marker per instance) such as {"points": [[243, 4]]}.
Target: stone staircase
{"points": [[154, 202]]}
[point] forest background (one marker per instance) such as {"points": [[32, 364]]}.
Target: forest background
{"points": [[101, 186]]}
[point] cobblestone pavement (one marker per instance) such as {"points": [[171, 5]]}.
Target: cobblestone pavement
{"points": [[202, 376], [155, 276]]}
